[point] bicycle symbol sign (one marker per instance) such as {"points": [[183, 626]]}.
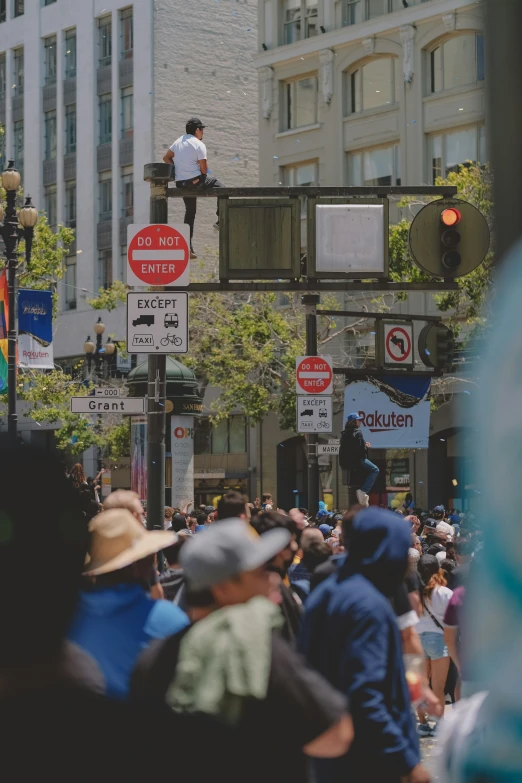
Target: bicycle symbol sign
{"points": [[157, 322]]}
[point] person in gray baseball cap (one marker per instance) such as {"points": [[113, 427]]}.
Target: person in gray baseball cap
{"points": [[233, 664]]}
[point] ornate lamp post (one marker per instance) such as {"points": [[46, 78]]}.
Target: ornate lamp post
{"points": [[11, 233], [102, 354]]}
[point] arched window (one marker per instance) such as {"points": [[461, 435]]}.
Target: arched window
{"points": [[457, 62], [372, 85]]}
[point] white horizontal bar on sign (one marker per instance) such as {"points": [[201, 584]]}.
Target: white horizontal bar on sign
{"points": [[158, 255], [314, 374]]}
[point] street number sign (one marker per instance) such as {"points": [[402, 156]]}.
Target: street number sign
{"points": [[107, 391], [125, 405], [314, 375], [158, 254], [314, 414], [157, 322]]}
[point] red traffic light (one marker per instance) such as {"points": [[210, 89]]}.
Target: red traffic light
{"points": [[450, 217]]}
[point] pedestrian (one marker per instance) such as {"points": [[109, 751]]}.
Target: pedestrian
{"points": [[168, 514], [189, 156], [463, 549], [315, 553], [232, 662], [233, 505], [350, 635], [85, 492], [435, 597], [353, 456], [116, 617], [172, 579], [297, 570], [267, 502]]}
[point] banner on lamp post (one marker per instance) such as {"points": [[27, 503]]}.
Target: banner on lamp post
{"points": [[182, 448], [35, 329]]}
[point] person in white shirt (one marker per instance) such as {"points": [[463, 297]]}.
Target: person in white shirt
{"points": [[435, 597], [189, 156]]}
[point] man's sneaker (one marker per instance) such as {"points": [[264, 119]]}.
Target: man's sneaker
{"points": [[216, 225], [425, 730], [361, 497], [193, 256]]}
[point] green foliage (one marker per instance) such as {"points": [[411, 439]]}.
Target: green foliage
{"points": [[110, 298], [467, 304]]}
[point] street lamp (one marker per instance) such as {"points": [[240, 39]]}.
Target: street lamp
{"points": [[11, 233], [102, 354]]}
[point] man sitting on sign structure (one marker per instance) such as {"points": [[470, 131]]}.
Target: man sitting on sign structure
{"points": [[353, 456], [189, 156]]}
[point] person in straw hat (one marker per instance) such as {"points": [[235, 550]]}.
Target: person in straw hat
{"points": [[116, 618]]}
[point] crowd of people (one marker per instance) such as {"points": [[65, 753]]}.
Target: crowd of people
{"points": [[269, 645]]}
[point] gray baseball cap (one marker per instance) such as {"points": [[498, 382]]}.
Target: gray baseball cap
{"points": [[227, 549]]}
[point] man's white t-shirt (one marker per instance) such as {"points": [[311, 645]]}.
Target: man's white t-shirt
{"points": [[188, 150]]}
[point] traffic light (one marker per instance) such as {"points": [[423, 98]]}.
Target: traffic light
{"points": [[450, 238], [437, 347]]}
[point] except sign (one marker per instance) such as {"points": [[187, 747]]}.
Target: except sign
{"points": [[314, 375], [124, 405], [157, 322], [398, 343], [314, 414], [158, 254]]}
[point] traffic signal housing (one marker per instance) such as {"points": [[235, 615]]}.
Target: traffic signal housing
{"points": [[437, 347], [449, 238]]}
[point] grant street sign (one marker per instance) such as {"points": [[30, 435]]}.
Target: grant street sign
{"points": [[124, 405]]}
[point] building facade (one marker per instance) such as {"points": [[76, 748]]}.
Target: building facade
{"points": [[368, 93]]}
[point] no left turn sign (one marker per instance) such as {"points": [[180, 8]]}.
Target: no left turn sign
{"points": [[398, 342]]}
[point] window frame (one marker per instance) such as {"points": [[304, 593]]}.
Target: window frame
{"points": [[105, 198], [480, 130], [127, 178], [105, 268], [70, 146], [70, 35], [125, 15], [289, 101], [70, 187], [104, 41], [18, 70], [204, 436], [105, 100], [439, 47], [126, 98], [18, 8], [308, 10], [19, 161], [3, 11], [3, 75], [51, 192], [70, 287], [355, 93], [50, 60], [396, 174], [50, 149]]}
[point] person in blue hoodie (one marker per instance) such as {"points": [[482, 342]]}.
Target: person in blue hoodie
{"points": [[350, 636], [117, 618]]}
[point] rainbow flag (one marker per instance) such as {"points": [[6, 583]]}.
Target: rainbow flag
{"points": [[4, 320]]}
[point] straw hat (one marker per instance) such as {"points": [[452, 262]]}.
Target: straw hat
{"points": [[118, 540]]}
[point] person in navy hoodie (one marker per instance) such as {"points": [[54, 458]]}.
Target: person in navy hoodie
{"points": [[116, 618], [350, 635]]}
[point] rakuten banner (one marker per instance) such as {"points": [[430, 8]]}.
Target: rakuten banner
{"points": [[386, 424], [35, 329]]}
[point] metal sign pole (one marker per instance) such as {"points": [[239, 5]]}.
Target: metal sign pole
{"points": [[310, 302]]}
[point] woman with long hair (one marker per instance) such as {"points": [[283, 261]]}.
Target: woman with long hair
{"points": [[435, 597], [77, 476]]}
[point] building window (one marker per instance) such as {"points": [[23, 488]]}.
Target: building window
{"points": [[127, 35], [226, 437], [105, 41], [50, 205], [302, 175], [70, 128], [18, 86], [70, 54], [18, 8], [457, 63], [127, 112], [70, 204], [299, 20], [70, 283], [2, 76], [127, 194], [3, 10], [50, 135], [105, 200], [50, 59], [105, 268], [450, 150], [48, 2], [374, 167], [18, 144], [106, 118], [300, 103], [372, 85]]}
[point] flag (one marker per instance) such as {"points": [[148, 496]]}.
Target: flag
{"points": [[4, 323]]}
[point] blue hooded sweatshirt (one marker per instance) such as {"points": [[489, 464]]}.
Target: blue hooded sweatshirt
{"points": [[114, 624], [350, 636]]}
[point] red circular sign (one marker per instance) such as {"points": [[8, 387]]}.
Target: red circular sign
{"points": [[313, 375], [398, 344], [158, 255]]}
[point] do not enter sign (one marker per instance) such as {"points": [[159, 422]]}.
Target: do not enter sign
{"points": [[314, 375], [158, 254]]}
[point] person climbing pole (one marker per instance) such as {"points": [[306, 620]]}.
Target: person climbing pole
{"points": [[353, 456]]}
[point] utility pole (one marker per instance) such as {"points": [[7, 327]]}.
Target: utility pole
{"points": [[158, 174], [310, 302]]}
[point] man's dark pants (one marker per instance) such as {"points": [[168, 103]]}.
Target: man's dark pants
{"points": [[191, 204]]}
